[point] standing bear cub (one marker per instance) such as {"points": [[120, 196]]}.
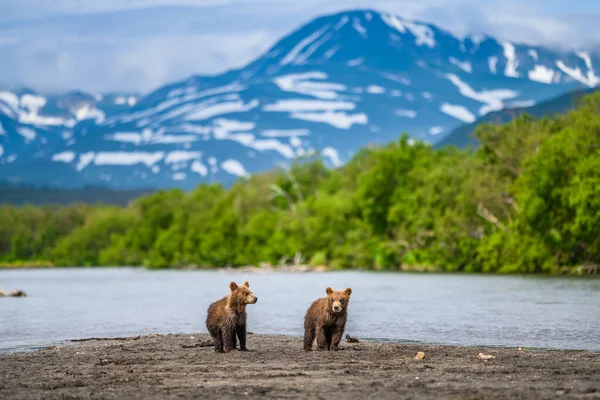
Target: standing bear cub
{"points": [[326, 320], [226, 318]]}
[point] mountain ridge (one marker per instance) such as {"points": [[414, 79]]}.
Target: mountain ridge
{"points": [[463, 135], [330, 87]]}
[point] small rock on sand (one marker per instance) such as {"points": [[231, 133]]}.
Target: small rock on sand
{"points": [[351, 339], [485, 357], [420, 355]]}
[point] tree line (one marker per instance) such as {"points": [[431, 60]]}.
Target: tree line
{"points": [[526, 200]]}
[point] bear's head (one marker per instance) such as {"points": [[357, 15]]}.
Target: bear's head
{"points": [[338, 299], [242, 295]]}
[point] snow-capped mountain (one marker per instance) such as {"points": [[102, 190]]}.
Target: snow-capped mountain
{"points": [[336, 84]]}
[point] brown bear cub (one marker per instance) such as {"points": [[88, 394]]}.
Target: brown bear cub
{"points": [[226, 318], [326, 320]]}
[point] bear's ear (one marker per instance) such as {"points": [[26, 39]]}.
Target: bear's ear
{"points": [[348, 291], [246, 284], [329, 291], [233, 286]]}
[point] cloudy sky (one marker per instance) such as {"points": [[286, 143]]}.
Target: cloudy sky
{"points": [[138, 45]]}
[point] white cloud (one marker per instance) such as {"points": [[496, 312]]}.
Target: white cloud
{"points": [[54, 64]]}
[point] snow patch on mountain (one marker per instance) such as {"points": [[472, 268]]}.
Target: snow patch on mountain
{"points": [[533, 54], [333, 155], [343, 21], [84, 160], [272, 144], [121, 100], [285, 132], [375, 89], [406, 113], [590, 79], [27, 133], [394, 22], [493, 99], [586, 58], [11, 100], [301, 59], [199, 168], [423, 34], [127, 158], [520, 104], [355, 62], [32, 102], [65, 156], [459, 112], [291, 56], [464, 65], [541, 74], [204, 113], [436, 130], [359, 28], [182, 156], [304, 84], [340, 120], [300, 105], [234, 167], [493, 63], [511, 59]]}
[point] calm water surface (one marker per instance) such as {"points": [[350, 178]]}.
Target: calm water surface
{"points": [[561, 313]]}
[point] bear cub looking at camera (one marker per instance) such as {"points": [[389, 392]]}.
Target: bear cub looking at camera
{"points": [[325, 320]]}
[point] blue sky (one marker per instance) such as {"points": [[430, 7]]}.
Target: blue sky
{"points": [[138, 45]]}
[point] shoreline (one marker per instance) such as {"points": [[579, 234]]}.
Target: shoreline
{"points": [[383, 341], [303, 268], [185, 365]]}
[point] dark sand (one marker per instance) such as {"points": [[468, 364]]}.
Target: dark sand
{"points": [[180, 366]]}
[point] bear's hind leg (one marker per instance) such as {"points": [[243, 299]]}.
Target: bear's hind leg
{"points": [[228, 333], [218, 340], [309, 337]]}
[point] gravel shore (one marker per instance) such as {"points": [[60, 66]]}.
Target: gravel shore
{"points": [[186, 366]]}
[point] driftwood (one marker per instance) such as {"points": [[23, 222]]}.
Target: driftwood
{"points": [[202, 343], [105, 338], [11, 293]]}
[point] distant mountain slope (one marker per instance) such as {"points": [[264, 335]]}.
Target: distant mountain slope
{"points": [[332, 86], [463, 135], [39, 195]]}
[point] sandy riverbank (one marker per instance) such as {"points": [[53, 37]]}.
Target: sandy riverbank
{"points": [[185, 366]]}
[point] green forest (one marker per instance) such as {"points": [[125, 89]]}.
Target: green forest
{"points": [[526, 200]]}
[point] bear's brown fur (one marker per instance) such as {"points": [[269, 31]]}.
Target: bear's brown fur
{"points": [[226, 318], [326, 320]]}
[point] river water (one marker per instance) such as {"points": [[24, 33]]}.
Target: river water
{"points": [[62, 304]]}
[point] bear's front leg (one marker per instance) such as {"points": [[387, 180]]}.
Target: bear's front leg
{"points": [[321, 339], [228, 339], [336, 337], [241, 334]]}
